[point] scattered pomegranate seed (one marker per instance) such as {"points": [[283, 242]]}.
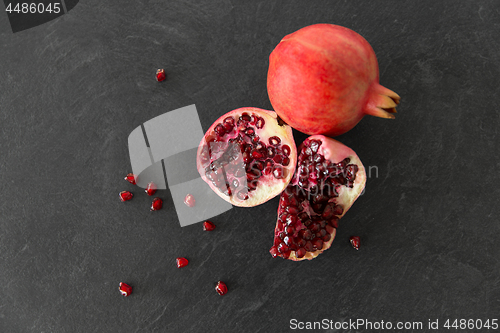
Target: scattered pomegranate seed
{"points": [[131, 178], [221, 288], [157, 204], [189, 200], [125, 195], [208, 226], [160, 75], [125, 289], [151, 189], [355, 242], [181, 262]]}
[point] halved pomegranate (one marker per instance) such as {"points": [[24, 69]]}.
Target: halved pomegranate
{"points": [[247, 156], [328, 179]]}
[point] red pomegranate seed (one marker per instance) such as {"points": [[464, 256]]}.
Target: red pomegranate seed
{"points": [[181, 262], [160, 75], [189, 200], [125, 195], [355, 242], [221, 288], [125, 289], [151, 188], [131, 178], [208, 226], [157, 204]]}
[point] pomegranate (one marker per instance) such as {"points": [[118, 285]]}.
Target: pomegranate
{"points": [[355, 242], [125, 195], [221, 288], [125, 289], [324, 78], [208, 226], [328, 179], [181, 262], [247, 156]]}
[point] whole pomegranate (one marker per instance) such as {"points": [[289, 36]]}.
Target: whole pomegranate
{"points": [[328, 179], [247, 156], [324, 78]]}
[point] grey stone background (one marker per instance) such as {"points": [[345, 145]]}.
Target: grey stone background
{"points": [[71, 90]]}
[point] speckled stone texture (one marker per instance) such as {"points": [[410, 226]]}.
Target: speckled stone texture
{"points": [[71, 90]]}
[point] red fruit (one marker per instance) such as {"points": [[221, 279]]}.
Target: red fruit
{"points": [[126, 195], [221, 288], [355, 242], [131, 178], [328, 179], [208, 226], [160, 75], [157, 204], [125, 289], [189, 200], [181, 262], [151, 188], [238, 156], [324, 78]]}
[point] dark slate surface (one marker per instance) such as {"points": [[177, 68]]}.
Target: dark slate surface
{"points": [[71, 90]]}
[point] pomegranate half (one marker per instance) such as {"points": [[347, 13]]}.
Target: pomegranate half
{"points": [[328, 179], [324, 78], [247, 156]]}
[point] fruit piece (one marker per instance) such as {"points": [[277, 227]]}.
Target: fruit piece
{"points": [[221, 288], [189, 200], [238, 157], [126, 195], [131, 178], [324, 78], [328, 179], [151, 188], [160, 75], [208, 226], [125, 289], [157, 204], [355, 242], [181, 262]]}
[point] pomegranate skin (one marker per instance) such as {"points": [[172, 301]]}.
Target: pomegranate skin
{"points": [[324, 78]]}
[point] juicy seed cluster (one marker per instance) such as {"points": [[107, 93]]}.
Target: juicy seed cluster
{"points": [[235, 157], [308, 213]]}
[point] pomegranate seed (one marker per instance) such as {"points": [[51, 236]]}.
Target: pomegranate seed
{"points": [[274, 251], [131, 178], [189, 200], [151, 188], [157, 204], [300, 253], [181, 262], [208, 226], [160, 75], [221, 288], [125, 195], [286, 150], [125, 289], [274, 140], [355, 242]]}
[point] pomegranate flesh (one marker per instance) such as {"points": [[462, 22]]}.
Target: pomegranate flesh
{"points": [[328, 179], [247, 156], [324, 78]]}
